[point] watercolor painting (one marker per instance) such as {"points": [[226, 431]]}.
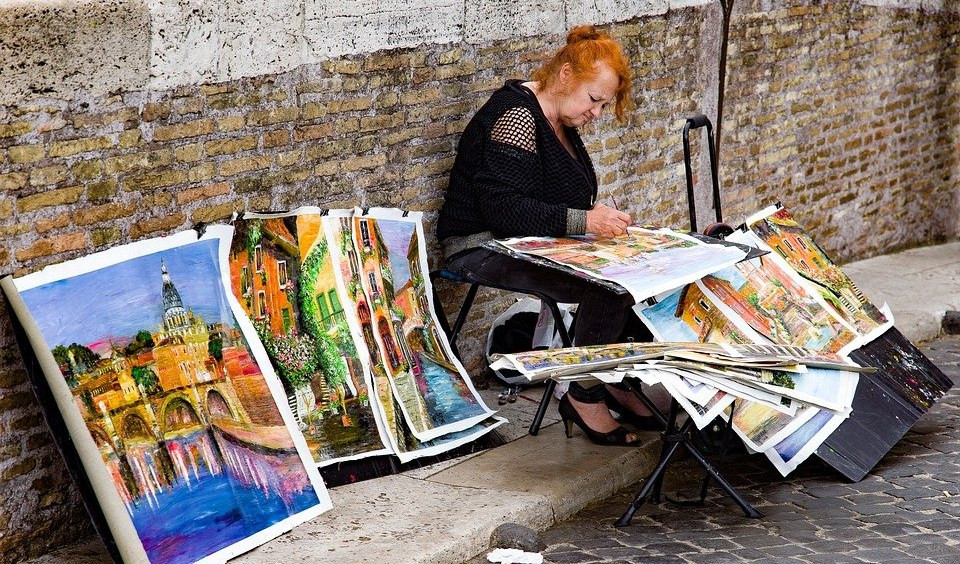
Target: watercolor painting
{"points": [[646, 262], [780, 231], [689, 315], [394, 310], [282, 274], [768, 300], [171, 394]]}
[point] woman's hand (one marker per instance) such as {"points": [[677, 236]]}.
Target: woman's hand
{"points": [[605, 221]]}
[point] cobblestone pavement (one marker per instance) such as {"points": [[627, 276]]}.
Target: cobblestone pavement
{"points": [[906, 510]]}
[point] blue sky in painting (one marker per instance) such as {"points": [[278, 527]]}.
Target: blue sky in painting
{"points": [[397, 234], [732, 275], [671, 328], [117, 301]]}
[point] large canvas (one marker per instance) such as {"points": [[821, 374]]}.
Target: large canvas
{"points": [[180, 424], [395, 313], [282, 274], [339, 227], [646, 262]]}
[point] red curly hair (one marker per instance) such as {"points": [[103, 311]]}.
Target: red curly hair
{"points": [[585, 49]]}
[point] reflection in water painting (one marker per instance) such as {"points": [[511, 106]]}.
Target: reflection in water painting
{"points": [[393, 301], [158, 372]]}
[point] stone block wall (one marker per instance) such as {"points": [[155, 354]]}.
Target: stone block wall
{"points": [[845, 112]]}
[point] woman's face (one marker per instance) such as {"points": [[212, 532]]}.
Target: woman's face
{"points": [[584, 100]]}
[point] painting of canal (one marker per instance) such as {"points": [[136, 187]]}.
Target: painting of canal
{"points": [[282, 275], [393, 308], [174, 399]]}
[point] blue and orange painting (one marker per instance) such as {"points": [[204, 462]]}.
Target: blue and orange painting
{"points": [[174, 400], [397, 324]]}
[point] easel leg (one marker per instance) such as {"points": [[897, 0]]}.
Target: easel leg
{"points": [[542, 408], [748, 509], [652, 480]]}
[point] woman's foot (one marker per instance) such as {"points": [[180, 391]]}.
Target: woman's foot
{"points": [[627, 401], [630, 409], [595, 421]]}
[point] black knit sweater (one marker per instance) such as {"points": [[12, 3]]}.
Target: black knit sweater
{"points": [[513, 177]]}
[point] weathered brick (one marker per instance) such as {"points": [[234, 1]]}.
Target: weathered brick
{"points": [[76, 146], [167, 177], [290, 157], [49, 198], [358, 163], [381, 121], [129, 138], [229, 168], [152, 225], [328, 168], [105, 212], [25, 466], [276, 138], [202, 193], [201, 172], [233, 100], [188, 105], [13, 181], [101, 190], [328, 149], [419, 96], [314, 110], [309, 132], [188, 153], [6, 208], [183, 130], [52, 246], [276, 115], [88, 170], [230, 145], [15, 129], [216, 212], [462, 68], [343, 66], [155, 110], [212, 89], [138, 161], [349, 105], [104, 236], [48, 175], [346, 125], [26, 153], [58, 221], [230, 123]]}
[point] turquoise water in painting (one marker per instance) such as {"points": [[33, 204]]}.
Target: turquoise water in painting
{"points": [[445, 403], [189, 522]]}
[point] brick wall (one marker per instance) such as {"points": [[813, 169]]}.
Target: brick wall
{"points": [[848, 114]]}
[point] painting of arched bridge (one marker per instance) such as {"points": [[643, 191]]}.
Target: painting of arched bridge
{"points": [[177, 405]]}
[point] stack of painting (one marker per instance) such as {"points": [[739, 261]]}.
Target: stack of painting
{"points": [[795, 295], [791, 295], [202, 382], [341, 303]]}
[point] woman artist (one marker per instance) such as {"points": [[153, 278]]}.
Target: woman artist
{"points": [[522, 170]]}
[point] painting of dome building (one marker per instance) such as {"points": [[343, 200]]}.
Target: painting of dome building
{"points": [[172, 397]]}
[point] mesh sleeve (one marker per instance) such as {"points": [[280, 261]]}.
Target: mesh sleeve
{"points": [[517, 128]]}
